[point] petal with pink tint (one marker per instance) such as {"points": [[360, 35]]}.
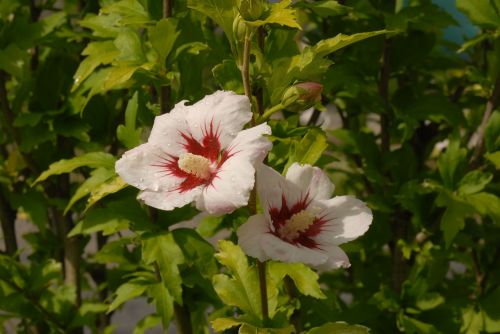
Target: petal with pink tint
{"points": [[250, 234], [140, 167], [222, 113], [347, 218], [280, 250], [313, 179]]}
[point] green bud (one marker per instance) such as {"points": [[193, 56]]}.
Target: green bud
{"points": [[239, 28], [302, 96], [251, 10]]}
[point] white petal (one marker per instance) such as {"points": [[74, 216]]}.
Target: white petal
{"points": [[280, 250], [169, 200], [225, 110], [230, 189], [250, 234], [139, 167], [337, 258], [251, 143], [311, 179], [167, 129], [272, 187], [348, 218]]}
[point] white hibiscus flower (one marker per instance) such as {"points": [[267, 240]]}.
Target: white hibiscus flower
{"points": [[198, 153], [301, 222]]}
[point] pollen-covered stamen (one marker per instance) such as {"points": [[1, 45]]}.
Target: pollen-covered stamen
{"points": [[296, 224], [196, 165]]}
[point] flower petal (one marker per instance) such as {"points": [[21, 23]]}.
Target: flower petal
{"points": [[250, 234], [230, 188], [337, 258], [224, 112], [346, 219], [169, 200], [280, 250], [141, 168], [274, 190], [167, 130], [311, 179]]}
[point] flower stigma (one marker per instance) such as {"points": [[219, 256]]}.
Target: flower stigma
{"points": [[296, 224], [196, 165]]}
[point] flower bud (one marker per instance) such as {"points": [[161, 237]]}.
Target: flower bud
{"points": [[239, 28], [302, 96], [251, 10]]}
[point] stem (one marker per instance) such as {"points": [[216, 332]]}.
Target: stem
{"points": [[263, 291], [8, 218], [490, 106], [265, 116], [477, 271], [383, 89], [245, 73], [165, 91]]}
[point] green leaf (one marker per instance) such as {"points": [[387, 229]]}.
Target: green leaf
{"points": [[429, 301], [163, 37], [129, 290], [162, 249], [339, 327], [131, 13], [309, 149], [325, 8], [13, 60], [279, 13], [486, 204], [453, 219], [494, 157], [474, 182], [92, 160], [451, 164], [98, 53], [100, 220], [221, 324], [128, 134], [241, 288], [109, 187], [305, 279], [492, 132], [146, 323], [222, 12], [414, 326], [129, 45], [196, 250], [97, 178], [228, 76], [164, 302], [482, 12]]}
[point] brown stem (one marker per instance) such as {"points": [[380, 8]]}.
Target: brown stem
{"points": [[8, 218], [383, 88], [477, 271], [167, 8], [490, 106]]}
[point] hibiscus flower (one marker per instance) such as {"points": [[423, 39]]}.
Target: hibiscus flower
{"points": [[198, 153], [301, 222]]}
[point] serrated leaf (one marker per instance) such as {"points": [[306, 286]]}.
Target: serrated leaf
{"points": [[486, 204], [163, 37], [146, 323], [129, 45], [309, 149], [128, 134], [241, 289], [129, 290], [131, 13], [196, 250], [474, 182], [109, 187], [162, 249], [325, 8], [279, 13], [453, 219], [97, 177], [339, 327], [100, 220], [92, 160], [482, 12], [412, 325], [164, 302], [222, 12], [494, 157], [305, 279], [451, 164], [221, 324]]}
